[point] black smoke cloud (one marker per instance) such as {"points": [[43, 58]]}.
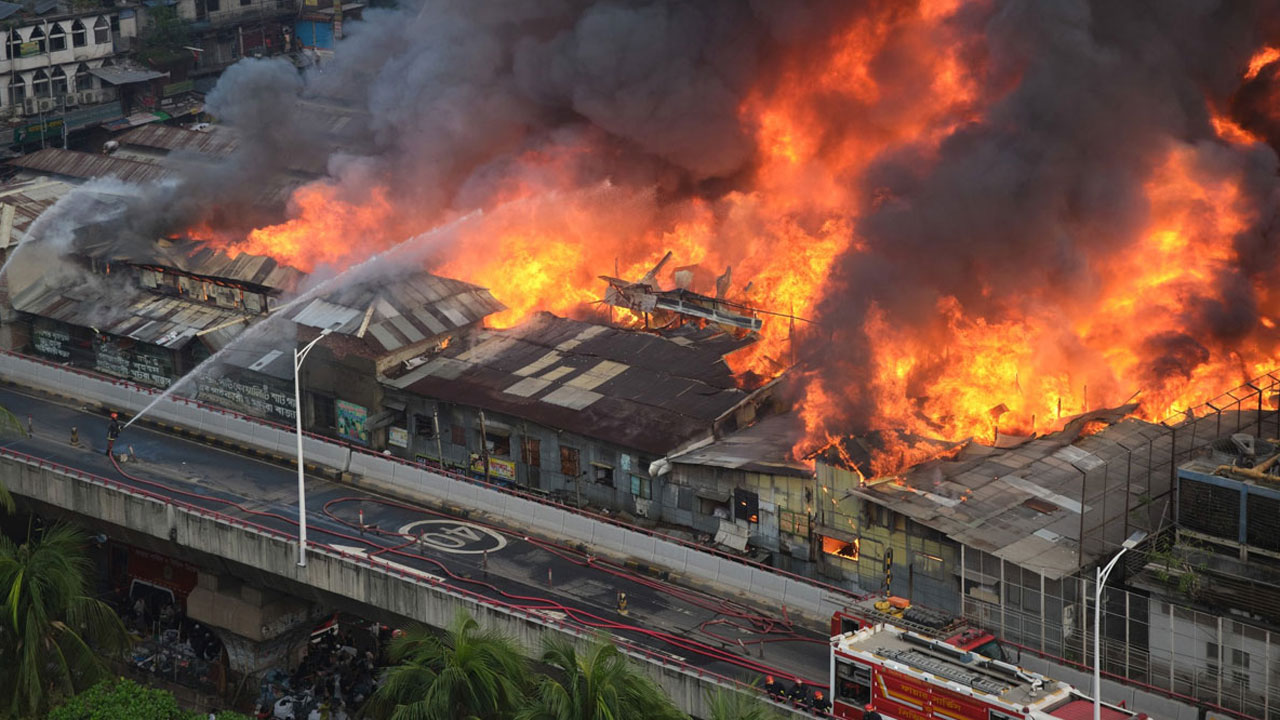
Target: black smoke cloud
{"points": [[436, 100], [445, 94], [1012, 207]]}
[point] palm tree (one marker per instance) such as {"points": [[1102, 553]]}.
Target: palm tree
{"points": [[467, 674], [10, 426], [726, 704], [49, 626], [600, 684]]}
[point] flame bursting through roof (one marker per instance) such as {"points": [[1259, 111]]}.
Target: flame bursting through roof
{"points": [[983, 246]]}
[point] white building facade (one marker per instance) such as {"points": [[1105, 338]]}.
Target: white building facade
{"points": [[46, 63]]}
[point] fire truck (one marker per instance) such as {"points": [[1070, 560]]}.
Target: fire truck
{"points": [[901, 613], [905, 675]]}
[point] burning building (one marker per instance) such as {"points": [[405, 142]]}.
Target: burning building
{"points": [[168, 307], [578, 410], [975, 221]]}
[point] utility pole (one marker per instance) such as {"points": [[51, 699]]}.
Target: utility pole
{"points": [[435, 421], [484, 446]]}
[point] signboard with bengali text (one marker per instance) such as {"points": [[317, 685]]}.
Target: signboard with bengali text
{"points": [[351, 420]]}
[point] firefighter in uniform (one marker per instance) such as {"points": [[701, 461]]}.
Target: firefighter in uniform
{"points": [[820, 704], [773, 688], [798, 694], [871, 713], [113, 432]]}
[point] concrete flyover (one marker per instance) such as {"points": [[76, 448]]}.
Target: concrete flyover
{"points": [[693, 564], [390, 590]]}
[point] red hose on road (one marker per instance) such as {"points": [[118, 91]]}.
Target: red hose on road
{"points": [[532, 603]]}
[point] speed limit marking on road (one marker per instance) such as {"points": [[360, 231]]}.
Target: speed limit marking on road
{"points": [[455, 536]]}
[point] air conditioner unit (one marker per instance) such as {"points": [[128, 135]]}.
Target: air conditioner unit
{"points": [[71, 99], [31, 105], [48, 104], [88, 97]]}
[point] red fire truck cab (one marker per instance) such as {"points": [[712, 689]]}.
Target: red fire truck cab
{"points": [[901, 613], [905, 675]]}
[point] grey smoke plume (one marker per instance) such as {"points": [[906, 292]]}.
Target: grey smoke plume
{"points": [[442, 92], [1014, 206]]}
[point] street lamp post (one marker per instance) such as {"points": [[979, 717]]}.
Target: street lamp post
{"points": [[298, 357], [1103, 572]]}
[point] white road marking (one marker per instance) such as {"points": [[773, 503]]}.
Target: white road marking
{"points": [[455, 536]]}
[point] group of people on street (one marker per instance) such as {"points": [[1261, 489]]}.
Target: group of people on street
{"points": [[336, 675], [800, 697]]}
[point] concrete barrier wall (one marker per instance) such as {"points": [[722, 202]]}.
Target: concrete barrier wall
{"points": [[409, 596], [415, 484]]}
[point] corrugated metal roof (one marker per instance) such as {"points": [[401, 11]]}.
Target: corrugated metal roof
{"points": [[70, 163], [215, 141], [196, 258], [117, 75], [129, 312], [401, 312], [982, 501], [635, 390], [22, 202], [763, 448]]}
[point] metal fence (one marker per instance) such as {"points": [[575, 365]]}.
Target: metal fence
{"points": [[1155, 638]]}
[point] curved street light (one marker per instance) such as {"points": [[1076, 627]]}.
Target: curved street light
{"points": [[1103, 572]]}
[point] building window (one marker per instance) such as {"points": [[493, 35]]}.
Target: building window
{"points": [[60, 84], [15, 44], [602, 474], [840, 548], [641, 487], [213, 5], [40, 84], [458, 435], [932, 566], [793, 523], [102, 31], [323, 413], [746, 505], [37, 37], [713, 508], [424, 426], [17, 90], [497, 444], [84, 80], [79, 36], [569, 462], [531, 451], [57, 38]]}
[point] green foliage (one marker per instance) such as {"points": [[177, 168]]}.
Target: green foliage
{"points": [[600, 684], [164, 40], [725, 704], [121, 699], [124, 699], [468, 673], [1173, 563], [48, 623]]}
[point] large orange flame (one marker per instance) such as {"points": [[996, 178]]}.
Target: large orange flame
{"points": [[543, 241]]}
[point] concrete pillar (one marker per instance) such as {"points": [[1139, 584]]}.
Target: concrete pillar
{"points": [[258, 627]]}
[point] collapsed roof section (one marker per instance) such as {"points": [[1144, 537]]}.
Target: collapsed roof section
{"points": [[1025, 504], [390, 319], [195, 258], [635, 390]]}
